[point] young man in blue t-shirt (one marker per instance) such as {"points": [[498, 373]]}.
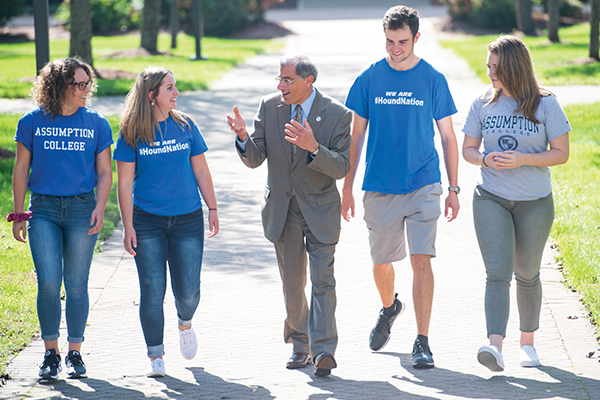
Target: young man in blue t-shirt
{"points": [[399, 97]]}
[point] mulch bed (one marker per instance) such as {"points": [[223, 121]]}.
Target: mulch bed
{"points": [[6, 154]]}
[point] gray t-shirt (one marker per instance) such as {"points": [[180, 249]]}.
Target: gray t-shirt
{"points": [[502, 130]]}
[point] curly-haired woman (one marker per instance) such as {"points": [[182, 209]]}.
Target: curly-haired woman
{"points": [[63, 154]]}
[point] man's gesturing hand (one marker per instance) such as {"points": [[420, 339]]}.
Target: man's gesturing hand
{"points": [[301, 136], [237, 124]]}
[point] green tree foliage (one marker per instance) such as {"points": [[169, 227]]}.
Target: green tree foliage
{"points": [[9, 9]]}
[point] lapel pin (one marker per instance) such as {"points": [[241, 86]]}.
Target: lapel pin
{"points": [[318, 118]]}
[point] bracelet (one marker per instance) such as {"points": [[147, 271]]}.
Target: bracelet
{"points": [[18, 217], [483, 160], [212, 209]]}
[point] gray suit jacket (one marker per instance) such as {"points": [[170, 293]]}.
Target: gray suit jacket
{"points": [[313, 180]]}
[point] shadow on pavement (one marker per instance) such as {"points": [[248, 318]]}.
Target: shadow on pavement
{"points": [[207, 386], [348, 389], [553, 383], [98, 389], [212, 387]]}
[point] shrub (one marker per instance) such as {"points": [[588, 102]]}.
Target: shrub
{"points": [[492, 14], [108, 16], [495, 14], [9, 9], [221, 18]]}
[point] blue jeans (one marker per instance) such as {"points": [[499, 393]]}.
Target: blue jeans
{"points": [[62, 249], [512, 236], [180, 241]]}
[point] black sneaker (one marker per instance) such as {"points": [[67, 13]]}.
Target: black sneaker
{"points": [[75, 365], [50, 368], [422, 356], [380, 334]]}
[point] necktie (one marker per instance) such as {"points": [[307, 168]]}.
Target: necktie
{"points": [[298, 118]]}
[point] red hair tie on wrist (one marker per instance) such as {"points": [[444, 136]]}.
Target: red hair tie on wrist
{"points": [[18, 217]]}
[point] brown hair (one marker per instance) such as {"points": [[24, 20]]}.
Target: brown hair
{"points": [[398, 17], [138, 120], [55, 79], [515, 72]]}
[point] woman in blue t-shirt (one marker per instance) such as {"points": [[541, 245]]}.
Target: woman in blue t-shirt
{"points": [[161, 165], [63, 153], [524, 131]]}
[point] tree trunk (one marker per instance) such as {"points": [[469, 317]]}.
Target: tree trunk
{"points": [[524, 18], [150, 25], [594, 28], [553, 13], [81, 31], [174, 22]]}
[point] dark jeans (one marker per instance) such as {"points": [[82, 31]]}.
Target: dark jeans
{"points": [[178, 240]]}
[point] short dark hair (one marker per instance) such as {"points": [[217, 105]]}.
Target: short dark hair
{"points": [[304, 65], [399, 17]]}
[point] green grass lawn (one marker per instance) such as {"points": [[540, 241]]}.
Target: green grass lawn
{"points": [[17, 61], [576, 186], [555, 63]]}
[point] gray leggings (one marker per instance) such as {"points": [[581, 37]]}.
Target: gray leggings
{"points": [[512, 236]]}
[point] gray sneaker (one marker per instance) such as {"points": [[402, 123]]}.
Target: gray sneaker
{"points": [[75, 366], [380, 334]]}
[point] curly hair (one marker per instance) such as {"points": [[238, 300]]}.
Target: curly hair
{"points": [[55, 79]]}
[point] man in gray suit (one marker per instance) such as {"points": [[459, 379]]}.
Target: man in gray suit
{"points": [[305, 137]]}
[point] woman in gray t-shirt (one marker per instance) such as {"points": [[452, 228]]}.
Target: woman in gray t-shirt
{"points": [[524, 131]]}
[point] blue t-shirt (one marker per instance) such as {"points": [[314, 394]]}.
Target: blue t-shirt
{"points": [[63, 151], [164, 182], [400, 106]]}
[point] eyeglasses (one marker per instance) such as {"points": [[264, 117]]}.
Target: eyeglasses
{"points": [[287, 81], [82, 85]]}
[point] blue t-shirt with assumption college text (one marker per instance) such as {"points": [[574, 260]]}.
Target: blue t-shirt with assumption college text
{"points": [[400, 106], [63, 150], [164, 182]]}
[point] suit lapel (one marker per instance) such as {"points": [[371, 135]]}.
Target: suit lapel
{"points": [[317, 114], [284, 114]]}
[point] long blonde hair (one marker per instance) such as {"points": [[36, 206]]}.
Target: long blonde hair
{"points": [[515, 72], [138, 121]]}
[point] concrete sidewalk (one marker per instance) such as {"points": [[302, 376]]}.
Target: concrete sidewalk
{"points": [[240, 318]]}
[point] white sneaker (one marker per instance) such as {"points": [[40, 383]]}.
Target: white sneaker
{"points": [[491, 357], [156, 369], [528, 356], [188, 344]]}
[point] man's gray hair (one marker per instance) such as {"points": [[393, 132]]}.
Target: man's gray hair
{"points": [[305, 66]]}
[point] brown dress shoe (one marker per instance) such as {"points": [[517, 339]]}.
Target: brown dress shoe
{"points": [[324, 363], [298, 360]]}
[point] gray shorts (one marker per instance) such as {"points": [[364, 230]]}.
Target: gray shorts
{"points": [[386, 215]]}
